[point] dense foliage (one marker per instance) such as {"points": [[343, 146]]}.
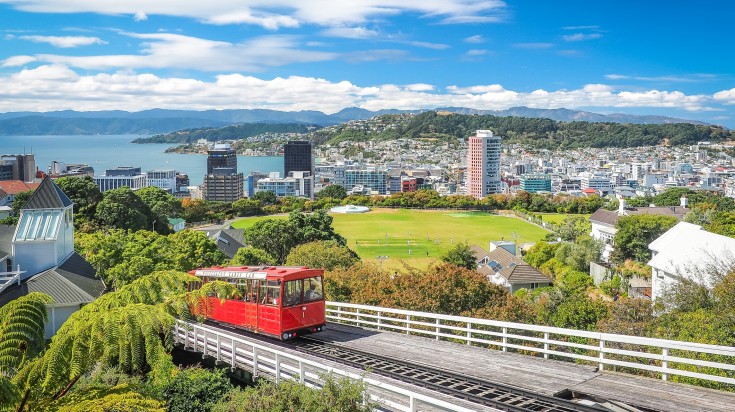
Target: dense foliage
{"points": [[240, 131], [531, 132], [636, 232], [326, 254]]}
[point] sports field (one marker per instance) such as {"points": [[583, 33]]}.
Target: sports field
{"points": [[557, 218], [419, 237]]}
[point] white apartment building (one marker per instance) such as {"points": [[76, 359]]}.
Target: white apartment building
{"points": [[164, 179]]}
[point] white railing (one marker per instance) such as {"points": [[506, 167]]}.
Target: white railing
{"points": [[262, 360], [659, 356]]}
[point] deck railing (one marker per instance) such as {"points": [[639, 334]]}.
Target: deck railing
{"points": [[657, 357], [263, 360]]}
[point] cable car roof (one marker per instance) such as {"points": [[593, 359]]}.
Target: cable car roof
{"points": [[254, 272]]}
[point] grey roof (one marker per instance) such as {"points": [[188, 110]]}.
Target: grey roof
{"points": [[229, 241], [514, 269], [72, 282], [610, 218], [6, 240], [48, 196], [478, 252]]}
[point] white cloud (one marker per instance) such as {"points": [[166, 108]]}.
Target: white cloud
{"points": [[140, 16], [725, 96], [167, 50], [65, 41], [428, 45], [592, 27], [693, 78], [581, 36], [290, 13], [477, 38], [476, 52], [350, 32], [18, 61], [56, 87], [533, 45]]}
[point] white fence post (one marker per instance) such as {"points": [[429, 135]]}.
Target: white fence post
{"points": [[408, 324], [204, 352], [469, 333], [302, 372], [358, 317], [218, 347], [412, 407], [505, 339], [255, 361], [664, 363], [602, 355], [379, 319], [546, 345], [278, 368], [234, 353], [438, 330]]}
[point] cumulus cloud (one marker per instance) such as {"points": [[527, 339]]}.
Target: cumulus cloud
{"points": [[476, 52], [350, 32], [692, 78], [18, 61], [140, 16], [580, 37], [56, 87], [65, 41], [428, 45], [166, 50], [290, 13], [533, 45], [477, 38]]}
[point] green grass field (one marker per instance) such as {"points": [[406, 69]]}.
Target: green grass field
{"points": [[557, 218], [419, 237]]}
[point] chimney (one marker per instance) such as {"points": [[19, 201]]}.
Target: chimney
{"points": [[622, 205], [684, 202]]}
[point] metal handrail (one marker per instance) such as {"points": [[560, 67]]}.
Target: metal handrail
{"points": [[261, 359], [544, 340]]}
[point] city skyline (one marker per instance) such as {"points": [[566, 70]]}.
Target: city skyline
{"points": [[621, 57]]}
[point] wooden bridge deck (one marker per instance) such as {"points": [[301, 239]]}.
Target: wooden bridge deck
{"points": [[537, 374]]}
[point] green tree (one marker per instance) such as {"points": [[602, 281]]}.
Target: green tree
{"points": [[275, 236], [247, 207], [578, 255], [461, 255], [84, 193], [265, 197], [332, 191], [571, 228], [636, 232], [250, 256], [326, 254], [122, 209], [540, 253], [162, 205], [195, 390], [19, 201]]}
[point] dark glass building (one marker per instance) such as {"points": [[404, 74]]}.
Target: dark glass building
{"points": [[222, 156], [297, 157]]}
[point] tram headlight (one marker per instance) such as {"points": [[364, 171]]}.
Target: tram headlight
{"points": [[286, 336]]}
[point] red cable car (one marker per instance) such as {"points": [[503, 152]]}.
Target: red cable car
{"points": [[282, 302]]}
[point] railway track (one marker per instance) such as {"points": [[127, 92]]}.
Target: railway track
{"points": [[495, 395]]}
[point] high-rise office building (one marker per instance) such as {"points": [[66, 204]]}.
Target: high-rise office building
{"points": [[483, 164], [221, 156], [21, 166], [297, 157], [222, 182], [119, 177]]}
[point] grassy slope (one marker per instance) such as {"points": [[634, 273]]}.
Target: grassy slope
{"points": [[430, 233]]}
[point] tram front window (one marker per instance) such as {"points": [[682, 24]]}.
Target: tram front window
{"points": [[270, 292], [313, 288], [292, 293]]}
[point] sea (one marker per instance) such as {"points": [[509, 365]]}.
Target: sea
{"points": [[109, 151]]}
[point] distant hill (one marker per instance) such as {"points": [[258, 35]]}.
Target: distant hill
{"points": [[545, 133], [240, 131], [158, 121]]}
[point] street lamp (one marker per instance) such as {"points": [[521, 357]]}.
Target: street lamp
{"points": [[153, 226], [381, 259]]}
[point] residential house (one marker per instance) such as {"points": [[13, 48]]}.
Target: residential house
{"points": [[10, 188], [687, 251], [604, 221], [505, 269], [229, 240], [41, 250]]}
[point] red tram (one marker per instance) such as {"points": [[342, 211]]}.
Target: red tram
{"points": [[282, 302]]}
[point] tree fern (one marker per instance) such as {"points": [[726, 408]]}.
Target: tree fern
{"points": [[22, 329]]}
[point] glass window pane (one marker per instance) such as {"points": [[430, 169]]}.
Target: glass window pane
{"points": [[313, 289], [292, 293], [274, 292]]}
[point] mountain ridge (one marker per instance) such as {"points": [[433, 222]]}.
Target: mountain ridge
{"points": [[155, 121]]}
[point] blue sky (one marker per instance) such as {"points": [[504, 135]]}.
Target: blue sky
{"points": [[637, 57]]}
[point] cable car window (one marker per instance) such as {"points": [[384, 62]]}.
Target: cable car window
{"points": [[271, 292], [292, 293], [313, 289], [245, 287]]}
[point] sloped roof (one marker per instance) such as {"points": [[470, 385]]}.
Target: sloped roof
{"points": [[610, 217], [229, 240], [688, 250], [514, 269], [72, 282], [48, 196], [13, 187], [478, 252]]}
